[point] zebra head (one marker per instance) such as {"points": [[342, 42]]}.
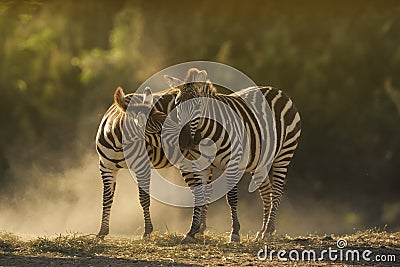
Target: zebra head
{"points": [[191, 89], [141, 118]]}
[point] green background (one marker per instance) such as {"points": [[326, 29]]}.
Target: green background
{"points": [[60, 62]]}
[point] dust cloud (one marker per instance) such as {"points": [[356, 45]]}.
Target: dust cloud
{"points": [[71, 201]]}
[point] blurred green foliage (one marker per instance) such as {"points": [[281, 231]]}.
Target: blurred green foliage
{"points": [[340, 62]]}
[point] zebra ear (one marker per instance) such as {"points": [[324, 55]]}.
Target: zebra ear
{"points": [[119, 99], [172, 81], [195, 76], [202, 76], [148, 96]]}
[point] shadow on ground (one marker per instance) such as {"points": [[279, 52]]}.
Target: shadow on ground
{"points": [[16, 260]]}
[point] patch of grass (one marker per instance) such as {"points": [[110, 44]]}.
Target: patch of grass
{"points": [[70, 245], [9, 242], [210, 249]]}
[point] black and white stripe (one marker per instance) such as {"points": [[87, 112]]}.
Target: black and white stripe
{"points": [[109, 144], [287, 129], [117, 145]]}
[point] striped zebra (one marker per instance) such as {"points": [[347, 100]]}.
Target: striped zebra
{"points": [[109, 145], [200, 177], [287, 129], [138, 136]]}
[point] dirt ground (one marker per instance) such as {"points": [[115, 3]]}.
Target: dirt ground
{"points": [[210, 250]]}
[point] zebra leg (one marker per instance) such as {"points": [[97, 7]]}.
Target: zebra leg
{"points": [[109, 182], [232, 198], [195, 227], [140, 164], [278, 182], [203, 217], [232, 172], [198, 190], [144, 198], [197, 211], [266, 196], [143, 173]]}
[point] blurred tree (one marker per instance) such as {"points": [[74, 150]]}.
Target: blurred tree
{"points": [[60, 62]]}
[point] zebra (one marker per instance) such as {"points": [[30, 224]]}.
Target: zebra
{"points": [[143, 143], [287, 130], [201, 177], [140, 134]]}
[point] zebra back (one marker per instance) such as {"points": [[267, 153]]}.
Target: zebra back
{"points": [[286, 120]]}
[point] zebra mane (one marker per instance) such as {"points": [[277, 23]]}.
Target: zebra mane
{"points": [[156, 95], [122, 100], [196, 83], [210, 88]]}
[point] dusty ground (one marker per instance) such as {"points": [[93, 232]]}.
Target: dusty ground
{"points": [[210, 250]]}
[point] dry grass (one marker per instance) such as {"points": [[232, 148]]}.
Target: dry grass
{"points": [[166, 250]]}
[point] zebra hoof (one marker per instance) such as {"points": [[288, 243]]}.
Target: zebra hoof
{"points": [[202, 228], [102, 233], [259, 236], [100, 237], [188, 240], [264, 235], [146, 235], [235, 238], [270, 232]]}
